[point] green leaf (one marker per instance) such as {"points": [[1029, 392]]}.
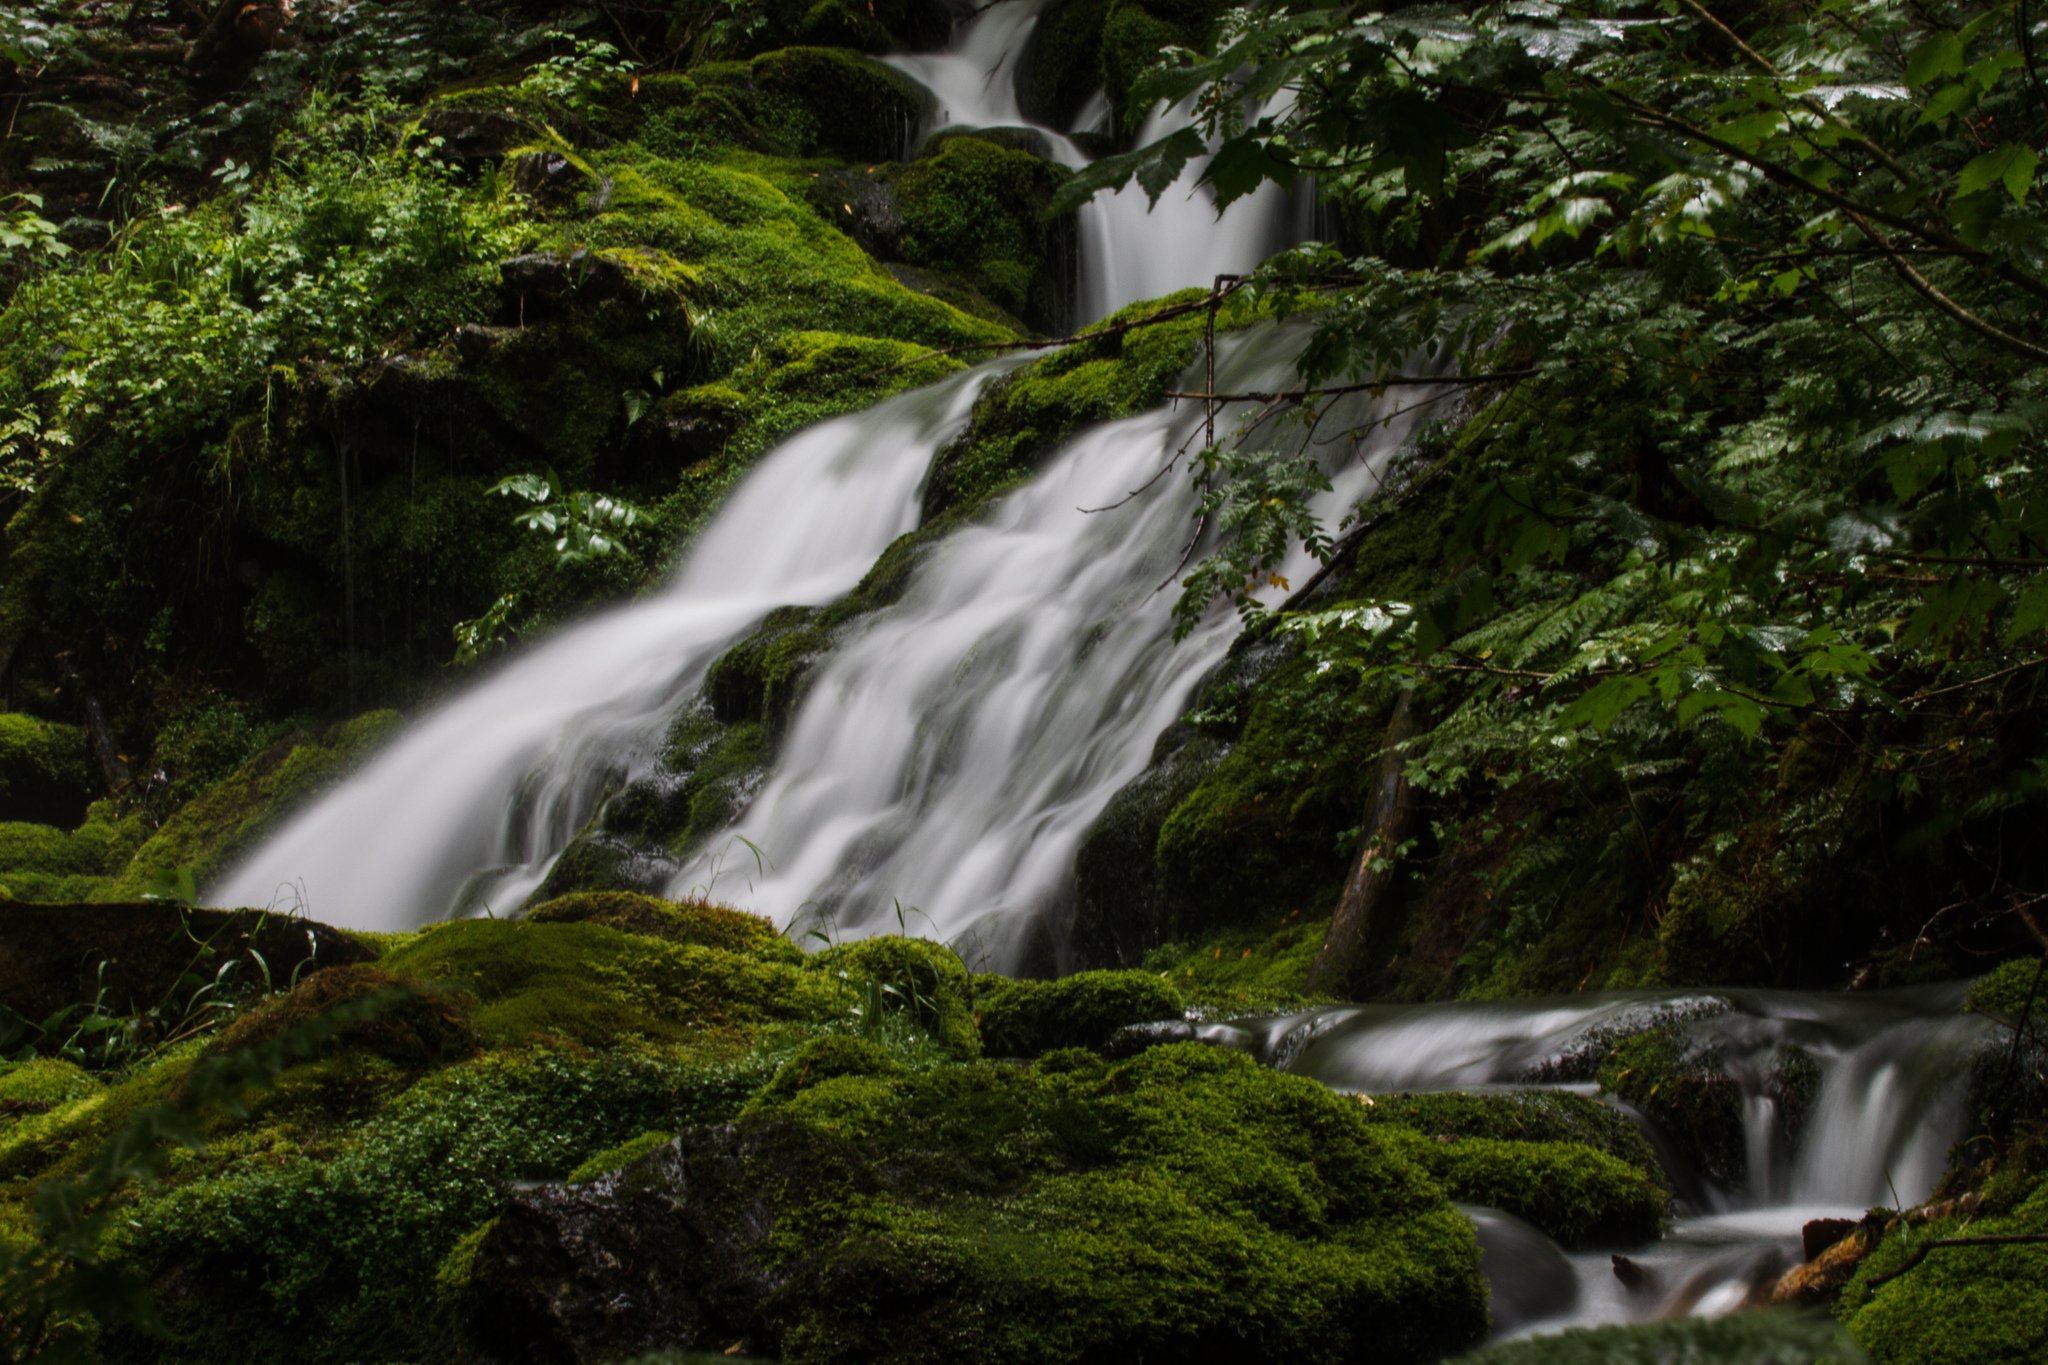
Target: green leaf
{"points": [[2029, 610], [2012, 164], [1941, 55], [1745, 714], [1604, 702]]}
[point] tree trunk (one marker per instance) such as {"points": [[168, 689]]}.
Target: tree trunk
{"points": [[1389, 810]]}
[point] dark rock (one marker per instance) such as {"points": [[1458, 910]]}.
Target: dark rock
{"points": [[1821, 1233], [1032, 140], [550, 179], [665, 1254], [1132, 1039], [475, 341], [1634, 1276], [863, 206], [540, 283], [472, 137], [135, 956]]}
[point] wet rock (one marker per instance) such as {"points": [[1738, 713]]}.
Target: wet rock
{"points": [[1578, 1058], [550, 179], [474, 137], [665, 1254], [1823, 1275], [474, 341], [1528, 1276], [1821, 1233], [862, 204], [1635, 1277], [1132, 1039], [133, 956], [542, 284]]}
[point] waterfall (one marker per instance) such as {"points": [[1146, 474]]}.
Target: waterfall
{"points": [[953, 751]]}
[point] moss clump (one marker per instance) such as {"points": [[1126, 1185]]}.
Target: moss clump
{"points": [[925, 980], [604, 1163], [704, 923], [825, 1059], [1550, 1116], [1187, 1204], [2006, 990], [1576, 1194], [210, 830], [1969, 1305], [1061, 66], [796, 102], [1026, 1018], [40, 1085], [45, 772], [588, 984], [65, 1139], [1684, 1092], [1244, 971], [879, 26], [395, 1017], [275, 1249], [982, 212]]}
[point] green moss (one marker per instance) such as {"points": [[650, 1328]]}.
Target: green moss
{"points": [[589, 984], [821, 1060], [45, 772], [705, 923], [1970, 1305], [1551, 1116], [1245, 971], [63, 1140], [604, 1163], [868, 27], [1026, 1018], [1186, 1203], [981, 212], [1576, 1194], [1687, 1095], [229, 817], [452, 1276], [926, 980], [2007, 989], [408, 1024], [40, 1085], [273, 1251]]}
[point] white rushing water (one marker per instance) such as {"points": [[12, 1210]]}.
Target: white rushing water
{"points": [[474, 802]]}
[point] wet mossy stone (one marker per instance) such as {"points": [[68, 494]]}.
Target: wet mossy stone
{"points": [[926, 980], [821, 1060], [864, 25], [1186, 1204], [45, 772], [1026, 1018], [1578, 1195], [2010, 990], [705, 923], [1061, 65], [1683, 1090], [797, 101], [397, 1018], [1522, 1116], [982, 212], [599, 987]]}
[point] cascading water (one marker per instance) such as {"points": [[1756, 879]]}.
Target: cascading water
{"points": [[467, 811], [951, 752], [1892, 1071]]}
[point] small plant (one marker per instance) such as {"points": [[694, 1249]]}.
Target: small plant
{"points": [[585, 525], [576, 77]]}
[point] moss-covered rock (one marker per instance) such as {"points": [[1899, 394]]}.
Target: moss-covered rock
{"points": [[2010, 989], [705, 923], [1578, 1195], [1551, 1116], [399, 1020], [821, 1060], [925, 980], [1252, 970], [1186, 1203], [1684, 1091], [40, 1085], [46, 774], [1026, 1018], [799, 101], [983, 212]]}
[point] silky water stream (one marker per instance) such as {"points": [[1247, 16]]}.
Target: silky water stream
{"points": [[951, 752]]}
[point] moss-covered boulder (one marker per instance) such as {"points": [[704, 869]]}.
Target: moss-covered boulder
{"points": [[925, 981], [41, 1084], [379, 1013], [584, 983], [982, 212], [1185, 1204], [46, 774], [1686, 1093], [1578, 1195], [1026, 1018], [1522, 1116], [705, 923]]}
